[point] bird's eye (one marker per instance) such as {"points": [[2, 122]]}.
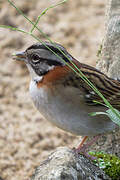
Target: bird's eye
{"points": [[35, 58]]}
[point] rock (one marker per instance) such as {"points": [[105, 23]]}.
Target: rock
{"points": [[65, 164]]}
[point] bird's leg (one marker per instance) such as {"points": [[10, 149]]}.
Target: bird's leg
{"points": [[83, 147], [81, 144]]}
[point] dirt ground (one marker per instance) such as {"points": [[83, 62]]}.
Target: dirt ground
{"points": [[26, 138]]}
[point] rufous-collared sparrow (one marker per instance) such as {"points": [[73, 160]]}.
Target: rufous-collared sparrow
{"points": [[64, 98]]}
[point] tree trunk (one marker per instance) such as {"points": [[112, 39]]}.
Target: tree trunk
{"points": [[110, 59], [110, 64]]}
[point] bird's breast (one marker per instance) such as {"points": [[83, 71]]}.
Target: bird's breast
{"points": [[65, 107]]}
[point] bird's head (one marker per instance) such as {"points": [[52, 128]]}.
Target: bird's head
{"points": [[40, 58]]}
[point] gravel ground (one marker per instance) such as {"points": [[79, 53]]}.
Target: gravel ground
{"points": [[25, 137]]}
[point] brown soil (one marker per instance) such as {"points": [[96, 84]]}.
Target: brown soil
{"points": [[25, 137]]}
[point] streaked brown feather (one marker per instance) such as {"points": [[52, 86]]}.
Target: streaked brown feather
{"points": [[109, 87]]}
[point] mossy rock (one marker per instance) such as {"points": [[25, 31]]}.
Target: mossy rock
{"points": [[109, 163]]}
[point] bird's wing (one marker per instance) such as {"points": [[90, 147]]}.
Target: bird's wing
{"points": [[109, 88]]}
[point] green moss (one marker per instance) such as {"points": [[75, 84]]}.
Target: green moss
{"points": [[109, 163]]}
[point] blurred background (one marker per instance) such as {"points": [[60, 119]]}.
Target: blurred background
{"points": [[26, 138]]}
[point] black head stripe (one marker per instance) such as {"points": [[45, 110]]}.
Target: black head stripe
{"points": [[49, 45], [50, 62], [54, 47]]}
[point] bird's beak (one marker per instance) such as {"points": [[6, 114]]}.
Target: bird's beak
{"points": [[19, 56]]}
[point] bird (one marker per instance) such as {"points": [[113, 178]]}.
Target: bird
{"points": [[63, 97]]}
